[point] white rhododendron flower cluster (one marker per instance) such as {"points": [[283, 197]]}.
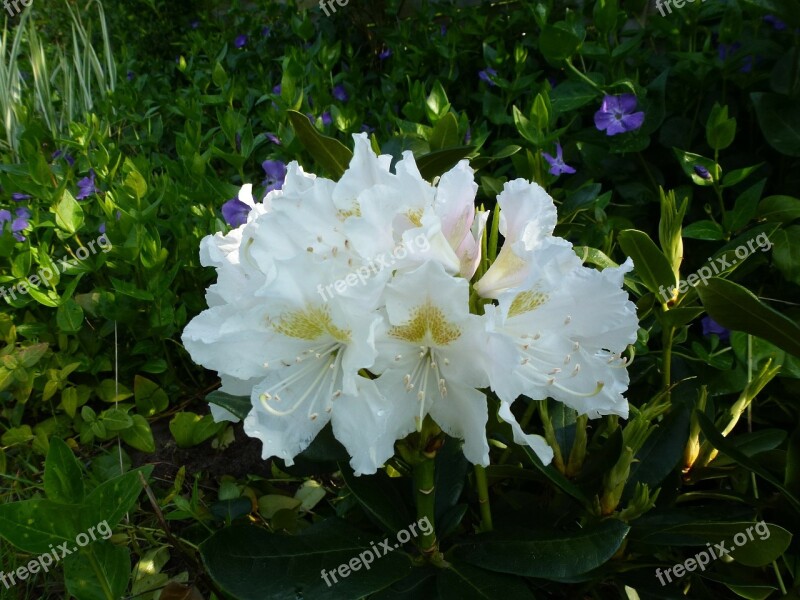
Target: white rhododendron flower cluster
{"points": [[374, 358]]}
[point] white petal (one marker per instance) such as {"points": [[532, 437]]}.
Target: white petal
{"points": [[463, 414], [360, 424], [536, 442]]}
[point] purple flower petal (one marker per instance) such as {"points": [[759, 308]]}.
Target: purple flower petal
{"points": [[240, 41], [235, 212], [634, 121], [627, 103], [710, 326], [18, 197], [5, 215], [274, 139], [340, 93]]}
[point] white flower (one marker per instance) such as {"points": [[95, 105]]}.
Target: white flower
{"points": [[431, 358], [397, 342], [527, 219]]}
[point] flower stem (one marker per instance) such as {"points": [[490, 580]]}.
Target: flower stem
{"points": [[424, 488], [483, 498]]}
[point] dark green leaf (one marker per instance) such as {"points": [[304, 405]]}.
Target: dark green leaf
{"points": [[329, 153], [252, 564], [735, 307], [552, 556]]}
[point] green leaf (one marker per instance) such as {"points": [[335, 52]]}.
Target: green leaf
{"points": [[779, 118], [703, 230], [764, 548], [437, 105], [434, 164], [719, 442], [786, 252], [69, 214], [735, 307], [34, 525], [238, 405], [779, 208], [115, 419], [139, 435], [556, 477], [331, 154], [69, 317], [190, 429], [552, 556], [462, 581], [110, 391], [648, 261], [150, 398], [113, 498], [661, 452], [99, 571], [689, 161], [250, 563], [379, 498], [557, 42], [571, 95], [63, 479], [445, 133]]}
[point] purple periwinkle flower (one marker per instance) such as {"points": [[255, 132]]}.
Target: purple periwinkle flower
{"points": [[776, 23], [235, 212], [385, 53], [557, 164], [277, 90], [616, 115], [265, 31], [240, 41], [18, 224], [130, 75], [443, 30], [61, 154], [326, 118], [276, 173], [702, 172], [487, 74], [273, 138], [710, 326], [102, 228], [87, 186], [340, 93], [18, 197], [726, 51]]}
